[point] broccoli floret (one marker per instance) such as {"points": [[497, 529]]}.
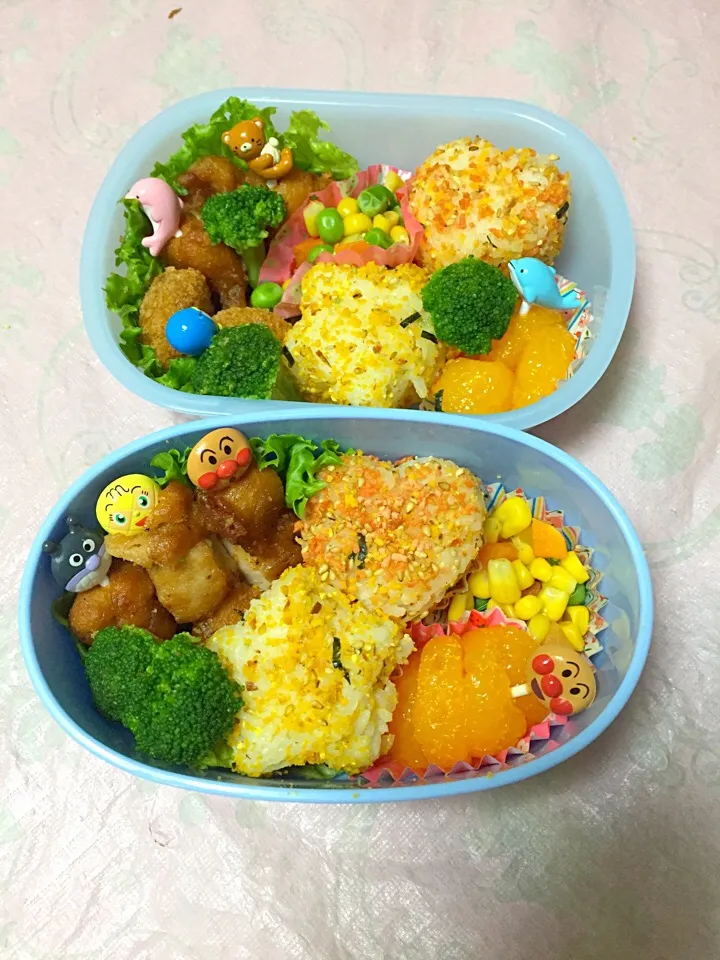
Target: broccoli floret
{"points": [[116, 666], [175, 697], [245, 362], [192, 705], [470, 304], [241, 220]]}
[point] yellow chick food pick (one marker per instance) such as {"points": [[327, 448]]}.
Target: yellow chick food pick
{"points": [[124, 504]]}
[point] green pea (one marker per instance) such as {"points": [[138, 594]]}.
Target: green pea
{"points": [[330, 225], [266, 296], [578, 596], [316, 251], [378, 238], [376, 199]]}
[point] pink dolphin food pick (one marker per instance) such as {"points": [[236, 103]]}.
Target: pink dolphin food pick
{"points": [[162, 207]]}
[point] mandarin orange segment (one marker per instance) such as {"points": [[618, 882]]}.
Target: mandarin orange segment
{"points": [[503, 550], [544, 361], [509, 348], [439, 711], [547, 541], [513, 648], [493, 721], [475, 386], [405, 749]]}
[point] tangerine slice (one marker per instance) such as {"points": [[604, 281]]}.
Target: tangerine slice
{"points": [[544, 361], [513, 648], [405, 749], [439, 710], [522, 327], [493, 721], [475, 386]]}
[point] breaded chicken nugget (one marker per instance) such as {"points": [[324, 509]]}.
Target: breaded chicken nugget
{"points": [[173, 290], [236, 316]]}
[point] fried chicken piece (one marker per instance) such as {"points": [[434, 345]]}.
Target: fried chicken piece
{"points": [[297, 185], [173, 290], [191, 572], [246, 511], [229, 612], [193, 587], [128, 600], [266, 561], [236, 316], [205, 177], [169, 535], [220, 265]]}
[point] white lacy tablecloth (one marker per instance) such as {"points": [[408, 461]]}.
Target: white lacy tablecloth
{"points": [[612, 855]]}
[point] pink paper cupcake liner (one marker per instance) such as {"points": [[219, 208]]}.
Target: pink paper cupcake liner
{"points": [[540, 738], [279, 265]]}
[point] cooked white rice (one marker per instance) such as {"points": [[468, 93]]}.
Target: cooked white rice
{"points": [[396, 537], [350, 347], [300, 707], [498, 205]]}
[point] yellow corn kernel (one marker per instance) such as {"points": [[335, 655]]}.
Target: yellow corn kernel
{"points": [[580, 616], [508, 609], [504, 587], [514, 515], [573, 564], [491, 530], [310, 215], [538, 626], [562, 580], [573, 636], [528, 607], [479, 584], [381, 221], [393, 181], [524, 578], [356, 223], [525, 551], [399, 235], [554, 601], [352, 238], [347, 206], [392, 217], [493, 605], [541, 569], [458, 606]]}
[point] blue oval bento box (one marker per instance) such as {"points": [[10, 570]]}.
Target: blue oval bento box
{"points": [[598, 253], [489, 451]]}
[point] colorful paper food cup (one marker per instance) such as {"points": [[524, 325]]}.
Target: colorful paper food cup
{"points": [[488, 450], [598, 254]]}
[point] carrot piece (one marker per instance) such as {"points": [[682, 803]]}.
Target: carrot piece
{"points": [[359, 246], [502, 550], [302, 249], [547, 541]]}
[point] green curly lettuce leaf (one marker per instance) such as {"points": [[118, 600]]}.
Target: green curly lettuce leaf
{"points": [[311, 153], [205, 139], [124, 294], [298, 461], [173, 463]]}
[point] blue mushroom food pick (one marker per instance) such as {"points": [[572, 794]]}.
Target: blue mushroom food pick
{"points": [[190, 331], [79, 561], [535, 282]]}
